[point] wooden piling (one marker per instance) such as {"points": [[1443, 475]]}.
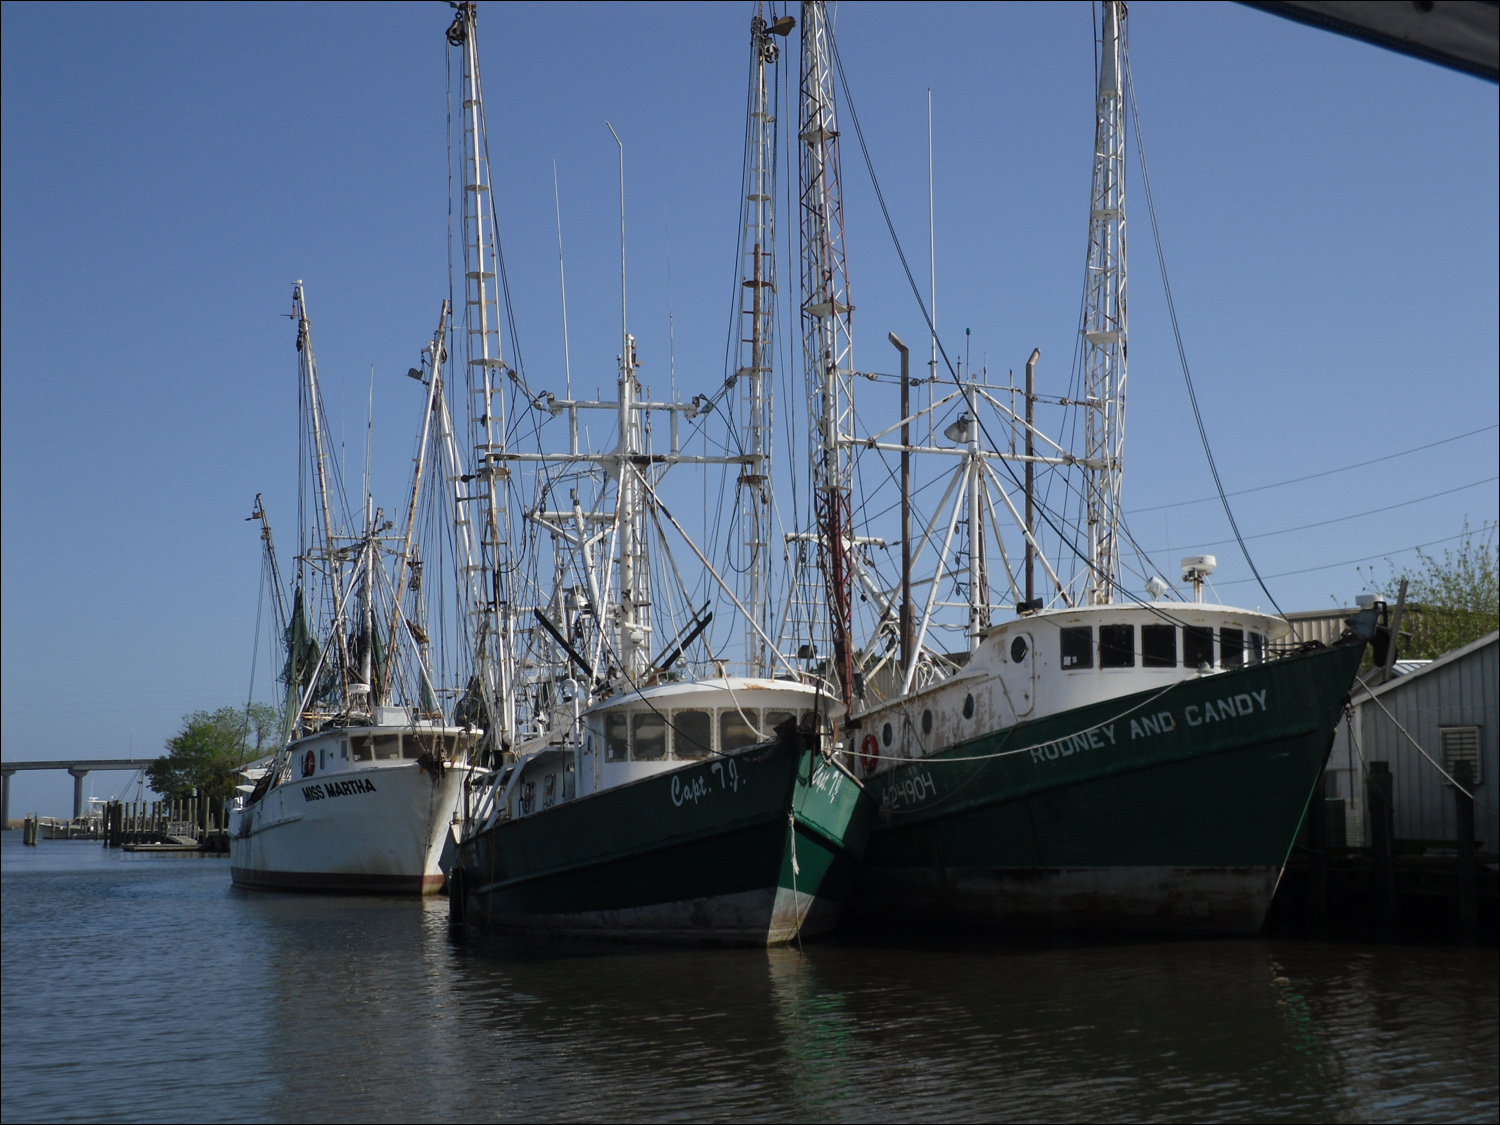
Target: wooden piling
{"points": [[1468, 896], [1380, 804], [1317, 848]]}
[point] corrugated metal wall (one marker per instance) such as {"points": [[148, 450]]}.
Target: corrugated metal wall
{"points": [[1462, 692], [1319, 625]]}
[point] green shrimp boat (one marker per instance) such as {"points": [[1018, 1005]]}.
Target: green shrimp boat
{"points": [[680, 835], [1168, 808]]}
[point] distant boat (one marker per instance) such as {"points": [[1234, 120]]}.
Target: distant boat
{"points": [[361, 796]]}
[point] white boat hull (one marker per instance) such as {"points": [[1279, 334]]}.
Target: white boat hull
{"points": [[381, 829]]}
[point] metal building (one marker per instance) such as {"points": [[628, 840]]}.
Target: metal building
{"points": [[1448, 706]]}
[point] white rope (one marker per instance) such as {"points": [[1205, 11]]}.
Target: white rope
{"points": [[1418, 745]]}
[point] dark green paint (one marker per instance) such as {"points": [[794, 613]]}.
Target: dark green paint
{"points": [[716, 829], [1208, 793]]}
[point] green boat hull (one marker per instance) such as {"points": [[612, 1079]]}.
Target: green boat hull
{"points": [[1163, 811], [751, 848]]}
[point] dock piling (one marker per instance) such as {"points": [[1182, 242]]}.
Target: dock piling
{"points": [[1381, 806], [1468, 897]]}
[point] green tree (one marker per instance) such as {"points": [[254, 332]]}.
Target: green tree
{"points": [[1449, 601], [207, 753]]}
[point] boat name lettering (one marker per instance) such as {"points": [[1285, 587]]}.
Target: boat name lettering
{"points": [[828, 780], [912, 789], [696, 788], [1096, 739], [337, 789], [1146, 725], [729, 774], [692, 789], [1217, 710]]}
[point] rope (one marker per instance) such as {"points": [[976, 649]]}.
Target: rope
{"points": [[1376, 700], [791, 820], [1187, 377]]}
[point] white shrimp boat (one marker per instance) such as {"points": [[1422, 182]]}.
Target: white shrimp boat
{"points": [[362, 794]]}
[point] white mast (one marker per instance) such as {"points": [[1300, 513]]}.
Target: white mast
{"points": [[481, 329], [1104, 319], [827, 347], [756, 324]]}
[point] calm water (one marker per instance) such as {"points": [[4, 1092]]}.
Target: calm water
{"points": [[145, 988]]}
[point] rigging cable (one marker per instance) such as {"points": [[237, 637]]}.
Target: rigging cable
{"points": [[1140, 148], [943, 351]]}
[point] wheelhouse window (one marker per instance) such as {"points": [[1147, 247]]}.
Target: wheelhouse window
{"points": [[360, 745], [774, 719], [1159, 646], [616, 736], [1117, 646], [692, 734], [1256, 649], [387, 747], [649, 730], [1197, 645], [736, 731], [1231, 648], [1077, 647]]}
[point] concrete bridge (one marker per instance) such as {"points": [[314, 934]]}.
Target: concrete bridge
{"points": [[78, 767]]}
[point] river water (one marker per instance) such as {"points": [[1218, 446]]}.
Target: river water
{"points": [[138, 987]]}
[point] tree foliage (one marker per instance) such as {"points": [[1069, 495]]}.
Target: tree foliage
{"points": [[207, 753], [1449, 601]]}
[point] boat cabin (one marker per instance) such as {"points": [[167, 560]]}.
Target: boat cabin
{"points": [[1055, 660], [657, 729]]}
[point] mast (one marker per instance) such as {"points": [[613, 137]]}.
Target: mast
{"points": [[484, 365], [1104, 319], [827, 347], [419, 469], [757, 324], [312, 396]]}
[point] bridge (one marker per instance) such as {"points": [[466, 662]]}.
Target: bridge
{"points": [[78, 767]]}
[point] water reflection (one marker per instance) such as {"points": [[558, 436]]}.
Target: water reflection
{"points": [[135, 990]]}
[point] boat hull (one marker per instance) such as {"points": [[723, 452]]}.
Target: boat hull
{"points": [[746, 849], [381, 830], [1165, 811]]}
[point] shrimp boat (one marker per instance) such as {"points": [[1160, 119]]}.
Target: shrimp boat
{"points": [[363, 792], [1099, 760], [635, 786]]}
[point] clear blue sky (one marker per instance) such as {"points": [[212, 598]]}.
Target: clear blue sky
{"points": [[1329, 213]]}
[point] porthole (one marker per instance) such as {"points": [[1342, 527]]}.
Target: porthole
{"points": [[968, 706], [927, 721], [887, 734], [1018, 650]]}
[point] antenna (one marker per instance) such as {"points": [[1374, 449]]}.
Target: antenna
{"points": [[931, 254], [562, 282], [671, 323], [369, 432], [624, 330]]}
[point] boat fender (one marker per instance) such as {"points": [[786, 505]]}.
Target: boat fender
{"points": [[309, 764], [869, 753]]}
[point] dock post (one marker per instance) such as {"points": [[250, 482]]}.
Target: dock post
{"points": [[1468, 899], [5, 776], [1317, 874], [1380, 806]]}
